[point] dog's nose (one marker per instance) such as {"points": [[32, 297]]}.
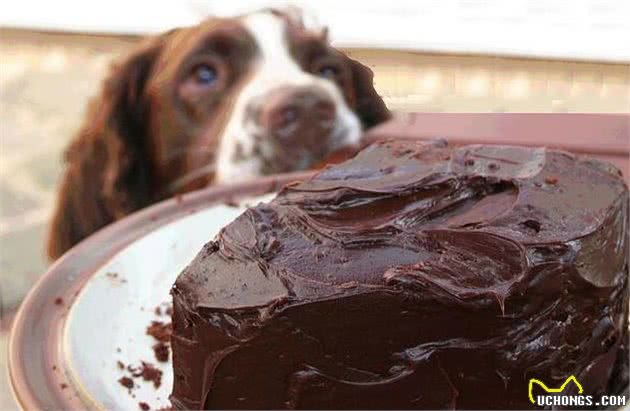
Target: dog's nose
{"points": [[290, 110]]}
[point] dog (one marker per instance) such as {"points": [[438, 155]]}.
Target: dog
{"points": [[226, 100]]}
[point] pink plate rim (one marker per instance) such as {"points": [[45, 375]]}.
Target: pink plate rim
{"points": [[36, 369]]}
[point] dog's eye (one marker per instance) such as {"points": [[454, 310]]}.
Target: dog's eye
{"points": [[205, 74], [329, 72]]}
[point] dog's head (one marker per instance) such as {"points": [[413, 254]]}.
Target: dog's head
{"points": [[226, 100], [254, 95]]}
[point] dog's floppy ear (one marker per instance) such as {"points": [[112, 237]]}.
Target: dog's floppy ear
{"points": [[107, 173], [369, 105]]}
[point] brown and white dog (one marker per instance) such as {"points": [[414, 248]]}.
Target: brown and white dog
{"points": [[227, 100]]}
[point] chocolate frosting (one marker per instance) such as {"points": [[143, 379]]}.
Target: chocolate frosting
{"points": [[415, 275]]}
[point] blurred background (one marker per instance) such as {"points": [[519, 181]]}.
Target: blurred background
{"points": [[428, 55]]}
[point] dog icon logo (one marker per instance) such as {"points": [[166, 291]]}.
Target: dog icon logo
{"points": [[553, 390]]}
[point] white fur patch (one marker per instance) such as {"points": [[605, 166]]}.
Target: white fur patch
{"points": [[273, 68]]}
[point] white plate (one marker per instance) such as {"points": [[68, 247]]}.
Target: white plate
{"points": [[108, 320]]}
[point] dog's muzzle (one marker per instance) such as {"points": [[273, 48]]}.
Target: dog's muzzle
{"points": [[295, 126]]}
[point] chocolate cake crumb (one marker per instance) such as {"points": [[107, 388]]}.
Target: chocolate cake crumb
{"points": [[149, 373], [115, 277], [160, 331], [551, 180], [161, 352], [163, 309], [120, 365], [63, 386], [532, 225], [126, 382], [58, 301], [144, 406]]}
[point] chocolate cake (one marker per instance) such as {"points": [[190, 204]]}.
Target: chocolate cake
{"points": [[416, 276]]}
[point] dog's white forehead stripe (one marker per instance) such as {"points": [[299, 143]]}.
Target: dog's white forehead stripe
{"points": [[275, 65], [269, 32]]}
